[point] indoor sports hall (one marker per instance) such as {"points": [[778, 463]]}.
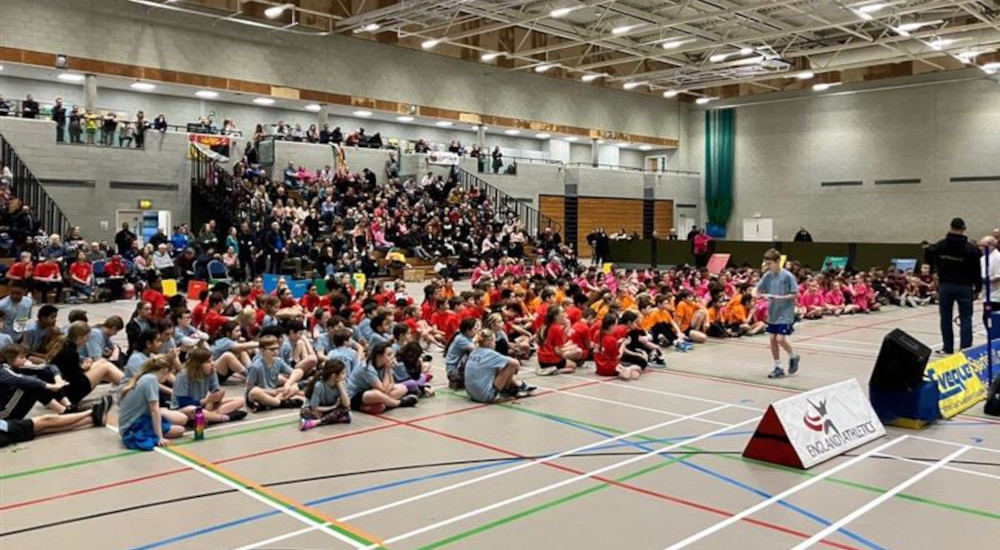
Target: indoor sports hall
{"points": [[326, 274]]}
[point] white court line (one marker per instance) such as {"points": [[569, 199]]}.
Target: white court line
{"points": [[780, 496], [638, 407], [949, 468], [506, 471], [877, 501], [240, 423], [563, 483], [953, 444], [677, 395]]}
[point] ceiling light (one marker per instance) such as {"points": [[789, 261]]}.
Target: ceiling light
{"points": [[914, 25], [444, 123], [207, 94], [624, 29], [590, 77], [901, 32], [404, 118], [263, 101], [968, 56], [275, 11], [703, 100], [865, 16], [543, 136], [430, 44], [71, 77], [805, 75], [1, 67], [824, 86], [746, 51], [645, 147], [142, 86], [719, 57], [991, 68], [512, 132], [632, 85], [941, 43], [560, 12], [314, 107], [574, 138], [669, 94], [870, 8], [372, 27], [671, 44], [544, 67], [600, 142], [362, 113], [490, 56]]}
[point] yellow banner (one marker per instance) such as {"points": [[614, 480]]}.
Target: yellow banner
{"points": [[958, 383]]}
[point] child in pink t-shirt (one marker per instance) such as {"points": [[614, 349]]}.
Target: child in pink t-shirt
{"points": [[835, 302], [812, 302]]}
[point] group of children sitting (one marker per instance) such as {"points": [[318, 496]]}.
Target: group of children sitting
{"points": [[367, 350]]}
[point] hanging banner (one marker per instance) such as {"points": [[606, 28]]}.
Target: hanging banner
{"points": [[443, 157], [213, 146]]}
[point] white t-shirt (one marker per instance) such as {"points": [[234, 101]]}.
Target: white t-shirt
{"points": [[994, 273]]}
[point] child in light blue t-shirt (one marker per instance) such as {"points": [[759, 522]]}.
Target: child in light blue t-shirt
{"points": [[781, 290]]}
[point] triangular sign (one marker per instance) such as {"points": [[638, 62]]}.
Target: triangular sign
{"points": [[770, 443]]}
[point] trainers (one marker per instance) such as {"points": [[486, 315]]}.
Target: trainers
{"points": [[293, 403], [237, 415], [778, 372], [526, 388], [546, 371], [408, 401], [307, 424], [99, 414], [344, 418], [793, 364]]}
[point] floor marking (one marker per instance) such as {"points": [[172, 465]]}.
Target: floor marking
{"points": [[879, 500], [782, 495], [952, 443], [563, 483], [677, 395], [638, 407], [949, 468]]}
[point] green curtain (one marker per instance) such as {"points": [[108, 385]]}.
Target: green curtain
{"points": [[720, 137]]}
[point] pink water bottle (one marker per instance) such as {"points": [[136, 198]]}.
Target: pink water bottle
{"points": [[199, 424]]}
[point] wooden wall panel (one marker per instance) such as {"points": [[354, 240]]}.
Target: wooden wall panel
{"points": [[553, 206], [611, 214], [663, 218]]}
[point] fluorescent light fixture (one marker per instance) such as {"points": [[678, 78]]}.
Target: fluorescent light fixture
{"points": [[561, 12], [600, 142], [632, 85], [590, 77], [430, 44], [142, 86], [444, 123], [1, 67], [489, 56], [863, 15], [941, 43], [544, 67], [71, 77], [970, 55], [624, 29], [901, 32], [673, 44], [543, 136], [404, 118], [719, 57], [512, 132], [362, 113], [314, 107], [263, 101], [670, 94], [571, 138], [991, 68], [824, 86], [871, 8], [275, 12], [746, 51], [372, 27], [703, 100], [645, 147], [914, 25], [207, 94]]}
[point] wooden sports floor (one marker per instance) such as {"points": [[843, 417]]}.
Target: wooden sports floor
{"points": [[588, 463]]}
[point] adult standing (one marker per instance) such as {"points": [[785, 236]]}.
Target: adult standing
{"points": [[803, 236], [497, 160], [29, 107], [59, 117], [124, 239], [702, 248], [990, 261], [602, 247], [141, 125], [957, 262]]}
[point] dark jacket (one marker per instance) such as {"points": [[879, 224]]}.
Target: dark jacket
{"points": [[957, 261]]}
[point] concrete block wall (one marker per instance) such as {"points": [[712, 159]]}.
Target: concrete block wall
{"points": [[164, 161], [597, 182]]}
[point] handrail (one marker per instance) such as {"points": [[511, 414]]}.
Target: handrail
{"points": [[230, 197], [534, 220], [533, 160], [26, 187], [632, 168]]}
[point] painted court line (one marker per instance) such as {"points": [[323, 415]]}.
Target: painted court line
{"points": [[948, 468], [639, 407], [547, 488], [952, 443], [781, 496], [671, 394], [879, 500]]}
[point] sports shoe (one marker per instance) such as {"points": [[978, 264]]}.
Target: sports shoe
{"points": [[307, 424], [658, 361], [546, 371], [237, 415], [526, 388], [793, 364], [408, 401], [344, 418], [99, 414], [293, 403], [778, 372]]}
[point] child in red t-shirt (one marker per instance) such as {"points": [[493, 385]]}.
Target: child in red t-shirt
{"points": [[446, 320], [579, 334], [556, 354], [154, 295]]}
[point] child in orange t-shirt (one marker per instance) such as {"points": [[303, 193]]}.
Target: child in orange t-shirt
{"points": [[691, 317]]}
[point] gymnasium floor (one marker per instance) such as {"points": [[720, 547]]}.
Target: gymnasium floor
{"points": [[588, 463]]}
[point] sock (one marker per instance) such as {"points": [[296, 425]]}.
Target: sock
{"points": [[777, 363]]}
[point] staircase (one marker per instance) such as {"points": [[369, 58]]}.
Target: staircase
{"points": [[217, 195], [27, 189], [534, 221]]}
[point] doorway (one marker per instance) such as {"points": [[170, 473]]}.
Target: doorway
{"points": [[144, 223], [758, 229]]}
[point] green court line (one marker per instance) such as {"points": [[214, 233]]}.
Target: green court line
{"points": [[550, 504], [839, 481], [86, 461]]}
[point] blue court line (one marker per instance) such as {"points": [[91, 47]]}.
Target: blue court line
{"points": [[381, 487], [731, 481]]}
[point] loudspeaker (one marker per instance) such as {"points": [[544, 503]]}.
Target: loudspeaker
{"points": [[993, 398], [901, 362]]}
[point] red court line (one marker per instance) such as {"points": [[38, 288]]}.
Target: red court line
{"points": [[634, 488], [808, 351], [883, 322], [392, 424]]}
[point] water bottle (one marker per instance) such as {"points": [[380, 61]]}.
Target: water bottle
{"points": [[199, 424]]}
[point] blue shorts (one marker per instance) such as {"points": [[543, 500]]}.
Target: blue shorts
{"points": [[140, 435], [185, 401], [782, 328]]}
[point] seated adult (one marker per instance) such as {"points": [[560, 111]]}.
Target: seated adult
{"points": [[47, 277], [82, 375], [164, 263], [16, 308], [81, 275], [115, 271], [22, 269]]}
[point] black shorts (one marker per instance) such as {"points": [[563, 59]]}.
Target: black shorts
{"points": [[18, 431], [560, 365], [357, 401]]}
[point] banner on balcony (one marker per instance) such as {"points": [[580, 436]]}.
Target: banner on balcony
{"points": [[213, 146], [443, 157]]}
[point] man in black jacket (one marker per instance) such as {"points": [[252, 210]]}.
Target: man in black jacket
{"points": [[29, 107], [957, 262], [124, 238], [59, 117]]}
